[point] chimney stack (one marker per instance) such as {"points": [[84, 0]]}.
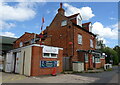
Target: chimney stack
{"points": [[61, 10]]}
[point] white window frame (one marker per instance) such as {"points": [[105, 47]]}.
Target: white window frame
{"points": [[90, 27], [64, 22], [79, 19], [91, 43], [79, 39], [50, 55]]}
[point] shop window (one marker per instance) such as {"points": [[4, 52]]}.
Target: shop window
{"points": [[64, 22], [79, 39], [53, 55], [97, 60], [46, 55], [86, 57], [49, 55], [91, 43], [102, 56]]}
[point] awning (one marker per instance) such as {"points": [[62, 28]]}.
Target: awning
{"points": [[81, 50]]}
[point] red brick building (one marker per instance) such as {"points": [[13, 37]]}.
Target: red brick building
{"points": [[68, 32]]}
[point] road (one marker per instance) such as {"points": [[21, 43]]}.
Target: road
{"points": [[104, 77]]}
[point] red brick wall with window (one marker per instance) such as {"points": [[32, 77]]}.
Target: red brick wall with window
{"points": [[36, 70]]}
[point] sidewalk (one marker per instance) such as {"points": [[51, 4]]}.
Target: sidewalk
{"points": [[88, 71]]}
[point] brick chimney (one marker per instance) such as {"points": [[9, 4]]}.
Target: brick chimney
{"points": [[61, 10]]}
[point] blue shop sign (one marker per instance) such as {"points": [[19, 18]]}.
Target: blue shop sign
{"points": [[48, 64]]}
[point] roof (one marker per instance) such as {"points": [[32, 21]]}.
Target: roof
{"points": [[7, 40], [24, 34], [6, 43], [73, 15], [84, 29], [86, 24]]}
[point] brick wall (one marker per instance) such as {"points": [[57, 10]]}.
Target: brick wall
{"points": [[25, 37], [102, 62], [36, 70], [97, 65], [62, 35]]}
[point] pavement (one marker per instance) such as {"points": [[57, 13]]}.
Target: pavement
{"points": [[101, 77]]}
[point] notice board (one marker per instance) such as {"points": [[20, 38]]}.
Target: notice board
{"points": [[48, 64]]}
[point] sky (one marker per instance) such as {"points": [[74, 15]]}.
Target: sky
{"points": [[16, 18]]}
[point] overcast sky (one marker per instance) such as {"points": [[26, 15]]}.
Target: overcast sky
{"points": [[19, 17]]}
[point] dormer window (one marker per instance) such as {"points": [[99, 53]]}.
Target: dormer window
{"points": [[90, 27], [64, 22], [79, 20]]}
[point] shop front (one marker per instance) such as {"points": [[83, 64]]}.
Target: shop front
{"points": [[91, 58]]}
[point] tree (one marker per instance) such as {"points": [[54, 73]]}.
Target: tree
{"points": [[117, 49], [111, 55]]}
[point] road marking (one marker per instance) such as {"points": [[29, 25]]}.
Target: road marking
{"points": [[13, 78]]}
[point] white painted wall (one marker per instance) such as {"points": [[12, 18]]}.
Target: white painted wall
{"points": [[9, 62], [26, 70]]}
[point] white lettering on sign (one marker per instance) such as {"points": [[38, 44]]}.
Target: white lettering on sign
{"points": [[47, 49]]}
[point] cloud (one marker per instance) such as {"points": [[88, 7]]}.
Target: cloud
{"points": [[20, 12], [86, 12], [4, 25], [105, 32], [111, 18], [8, 34]]}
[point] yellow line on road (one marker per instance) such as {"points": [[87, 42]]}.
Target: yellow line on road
{"points": [[6, 79], [14, 78]]}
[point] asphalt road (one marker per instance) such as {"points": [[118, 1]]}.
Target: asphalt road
{"points": [[106, 76], [71, 79]]}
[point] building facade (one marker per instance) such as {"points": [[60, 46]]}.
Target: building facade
{"points": [[68, 32]]}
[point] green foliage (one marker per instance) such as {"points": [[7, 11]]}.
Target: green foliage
{"points": [[117, 49], [111, 55]]}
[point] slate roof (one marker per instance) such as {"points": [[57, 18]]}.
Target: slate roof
{"points": [[6, 43], [7, 40]]}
